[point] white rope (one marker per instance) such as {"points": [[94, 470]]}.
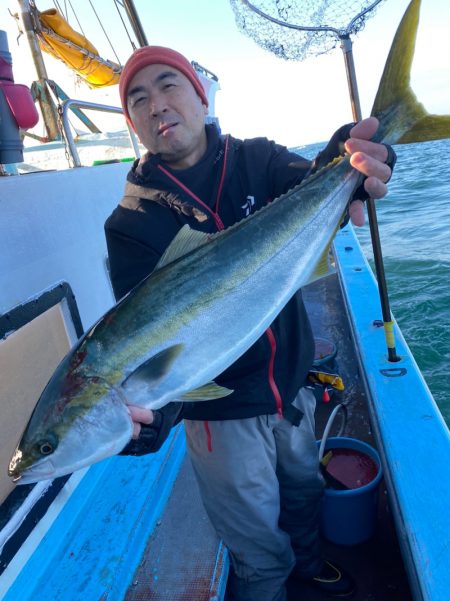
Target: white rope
{"points": [[17, 519], [323, 442]]}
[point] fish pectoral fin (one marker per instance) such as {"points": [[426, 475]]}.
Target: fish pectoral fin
{"points": [[207, 392], [152, 370], [184, 242]]}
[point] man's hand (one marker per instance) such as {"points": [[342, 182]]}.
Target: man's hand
{"points": [[140, 416], [370, 159], [151, 428]]}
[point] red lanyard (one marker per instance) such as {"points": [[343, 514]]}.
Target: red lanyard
{"points": [[215, 213]]}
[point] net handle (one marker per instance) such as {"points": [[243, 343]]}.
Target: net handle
{"points": [[346, 45]]}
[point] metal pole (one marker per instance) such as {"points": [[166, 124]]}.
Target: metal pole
{"points": [[346, 45], [136, 24], [44, 97], [69, 104]]}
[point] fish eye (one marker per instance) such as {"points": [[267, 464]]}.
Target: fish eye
{"points": [[47, 446]]}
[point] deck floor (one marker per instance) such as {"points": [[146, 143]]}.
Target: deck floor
{"points": [[179, 563]]}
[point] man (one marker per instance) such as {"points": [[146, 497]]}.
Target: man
{"points": [[254, 452]]}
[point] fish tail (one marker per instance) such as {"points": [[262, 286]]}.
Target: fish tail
{"points": [[403, 119]]}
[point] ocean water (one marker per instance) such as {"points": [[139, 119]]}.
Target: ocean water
{"points": [[414, 224]]}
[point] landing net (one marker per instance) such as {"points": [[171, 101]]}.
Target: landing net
{"points": [[296, 30]]}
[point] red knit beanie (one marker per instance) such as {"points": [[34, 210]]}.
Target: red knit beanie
{"points": [[151, 55]]}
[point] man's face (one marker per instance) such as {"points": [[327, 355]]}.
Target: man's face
{"points": [[168, 115]]}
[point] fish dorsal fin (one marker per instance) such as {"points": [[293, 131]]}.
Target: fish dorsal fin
{"points": [[184, 242], [207, 392], [152, 370]]}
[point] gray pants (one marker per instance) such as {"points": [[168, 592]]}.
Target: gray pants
{"points": [[261, 488]]}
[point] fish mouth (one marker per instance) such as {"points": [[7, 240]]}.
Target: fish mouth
{"points": [[43, 470], [14, 470]]}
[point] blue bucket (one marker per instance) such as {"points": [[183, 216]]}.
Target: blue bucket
{"points": [[348, 517]]}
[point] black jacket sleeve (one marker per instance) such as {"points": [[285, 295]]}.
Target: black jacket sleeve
{"points": [[133, 253], [130, 261]]}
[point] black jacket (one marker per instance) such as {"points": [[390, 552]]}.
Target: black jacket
{"points": [[233, 179]]}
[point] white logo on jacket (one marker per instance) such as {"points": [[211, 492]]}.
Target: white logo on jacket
{"points": [[247, 207]]}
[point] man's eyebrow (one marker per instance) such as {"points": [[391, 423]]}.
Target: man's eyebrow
{"points": [[135, 90], [161, 77]]}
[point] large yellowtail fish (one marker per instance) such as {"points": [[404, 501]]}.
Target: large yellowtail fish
{"points": [[209, 299]]}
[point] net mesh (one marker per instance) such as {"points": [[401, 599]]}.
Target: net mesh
{"points": [[296, 30]]}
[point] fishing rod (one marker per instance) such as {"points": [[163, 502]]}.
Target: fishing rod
{"points": [[297, 42]]}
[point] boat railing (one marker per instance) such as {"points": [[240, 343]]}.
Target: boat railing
{"points": [[67, 131]]}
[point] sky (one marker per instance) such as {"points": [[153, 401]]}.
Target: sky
{"points": [[291, 102]]}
